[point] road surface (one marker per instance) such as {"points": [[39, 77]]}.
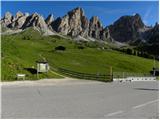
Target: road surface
{"points": [[81, 99]]}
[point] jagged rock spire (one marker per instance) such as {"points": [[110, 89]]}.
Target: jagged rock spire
{"points": [[74, 23], [95, 28], [8, 15], [19, 14], [49, 19]]}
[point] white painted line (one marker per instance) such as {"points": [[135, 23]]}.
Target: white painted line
{"points": [[114, 113], [147, 103]]}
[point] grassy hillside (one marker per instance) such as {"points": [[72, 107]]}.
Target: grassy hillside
{"points": [[20, 51]]}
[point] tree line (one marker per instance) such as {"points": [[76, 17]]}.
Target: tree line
{"points": [[136, 52]]}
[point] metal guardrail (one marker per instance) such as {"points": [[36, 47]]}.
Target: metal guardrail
{"points": [[128, 74]]}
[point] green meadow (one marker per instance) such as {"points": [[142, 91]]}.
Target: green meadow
{"points": [[21, 51]]}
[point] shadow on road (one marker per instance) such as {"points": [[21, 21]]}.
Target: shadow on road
{"points": [[146, 89]]}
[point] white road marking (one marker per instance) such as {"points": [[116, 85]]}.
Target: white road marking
{"points": [[147, 103], [114, 113], [135, 107]]}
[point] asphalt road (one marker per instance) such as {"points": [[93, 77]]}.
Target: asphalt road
{"points": [[81, 99]]}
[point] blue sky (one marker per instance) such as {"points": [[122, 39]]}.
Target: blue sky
{"points": [[107, 11]]}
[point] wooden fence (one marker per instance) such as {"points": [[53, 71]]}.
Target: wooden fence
{"points": [[87, 76]]}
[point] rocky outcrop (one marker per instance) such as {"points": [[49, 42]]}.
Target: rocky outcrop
{"points": [[49, 19], [154, 41], [18, 21], [8, 18], [95, 28], [153, 35], [23, 21], [17, 24], [37, 21], [106, 35], [97, 31], [126, 28], [151, 44], [61, 25], [74, 23], [19, 14], [78, 22]]}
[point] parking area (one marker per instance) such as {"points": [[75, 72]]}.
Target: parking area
{"points": [[81, 99]]}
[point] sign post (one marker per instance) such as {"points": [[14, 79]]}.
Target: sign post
{"points": [[42, 67]]}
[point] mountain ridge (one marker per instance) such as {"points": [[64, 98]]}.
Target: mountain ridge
{"points": [[126, 29]]}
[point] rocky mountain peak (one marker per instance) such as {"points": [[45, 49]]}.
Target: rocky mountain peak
{"points": [[94, 19], [35, 15], [95, 28], [74, 23], [19, 14], [137, 15], [35, 20], [8, 16], [138, 21], [22, 21], [78, 12], [49, 19], [7, 19], [134, 21], [156, 25], [95, 22], [126, 28]]}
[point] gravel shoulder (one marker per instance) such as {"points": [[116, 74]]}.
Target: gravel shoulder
{"points": [[48, 82]]}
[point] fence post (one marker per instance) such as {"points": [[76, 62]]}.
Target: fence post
{"points": [[97, 75], [111, 74], [123, 75]]}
